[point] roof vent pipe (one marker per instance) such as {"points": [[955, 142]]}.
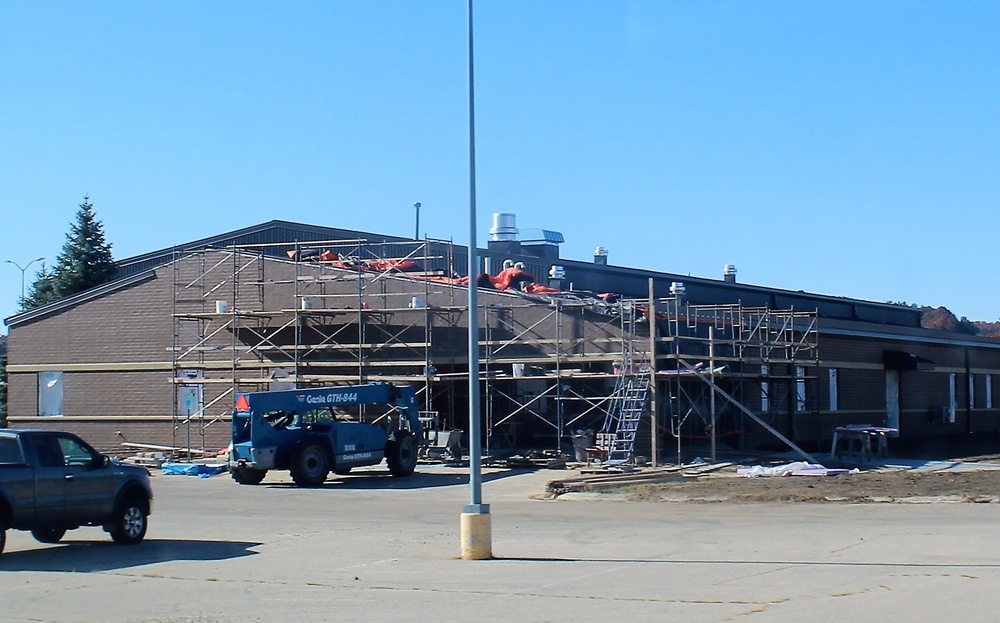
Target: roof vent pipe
{"points": [[503, 227], [556, 276], [601, 256], [729, 273]]}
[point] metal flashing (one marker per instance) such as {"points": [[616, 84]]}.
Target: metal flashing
{"points": [[70, 301]]}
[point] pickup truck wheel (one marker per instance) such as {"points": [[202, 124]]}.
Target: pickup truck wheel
{"points": [[247, 476], [401, 453], [48, 535], [130, 522], [310, 466]]}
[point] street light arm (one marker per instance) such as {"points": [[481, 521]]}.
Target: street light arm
{"points": [[23, 269], [26, 266]]}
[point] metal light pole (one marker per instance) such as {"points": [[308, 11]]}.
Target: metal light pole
{"points": [[416, 229], [476, 529], [22, 269]]}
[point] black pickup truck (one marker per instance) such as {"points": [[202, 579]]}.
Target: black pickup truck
{"points": [[51, 482]]}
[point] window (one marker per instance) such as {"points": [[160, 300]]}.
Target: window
{"points": [[972, 393], [765, 404], [75, 453], [10, 451], [800, 388], [318, 416], [988, 383], [279, 419], [48, 451], [50, 393], [833, 389], [951, 393]]}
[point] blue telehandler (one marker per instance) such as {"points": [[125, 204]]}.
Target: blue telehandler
{"points": [[311, 432]]}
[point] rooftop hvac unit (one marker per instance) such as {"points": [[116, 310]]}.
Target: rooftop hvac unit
{"points": [[601, 256], [504, 227]]}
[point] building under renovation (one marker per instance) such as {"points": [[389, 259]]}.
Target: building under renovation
{"points": [[652, 363]]}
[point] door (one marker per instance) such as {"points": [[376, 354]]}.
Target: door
{"points": [[892, 398], [89, 485], [50, 478]]}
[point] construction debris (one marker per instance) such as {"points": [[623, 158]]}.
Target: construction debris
{"points": [[155, 456], [798, 468], [152, 460], [607, 479], [173, 449], [535, 459]]}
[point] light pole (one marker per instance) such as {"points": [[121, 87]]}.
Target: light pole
{"points": [[416, 230], [476, 525], [23, 269]]}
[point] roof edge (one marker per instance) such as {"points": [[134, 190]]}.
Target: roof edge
{"points": [[70, 301]]}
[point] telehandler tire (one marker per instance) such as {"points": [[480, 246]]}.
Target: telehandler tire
{"points": [[401, 453], [310, 466]]}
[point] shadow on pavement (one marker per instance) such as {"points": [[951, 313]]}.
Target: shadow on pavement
{"points": [[87, 556], [374, 481]]}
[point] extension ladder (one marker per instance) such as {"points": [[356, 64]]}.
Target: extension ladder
{"points": [[627, 407]]}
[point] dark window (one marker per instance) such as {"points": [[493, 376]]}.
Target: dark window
{"points": [[10, 451], [318, 416], [49, 454], [75, 453]]}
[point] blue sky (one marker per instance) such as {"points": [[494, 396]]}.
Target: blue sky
{"points": [[844, 148]]}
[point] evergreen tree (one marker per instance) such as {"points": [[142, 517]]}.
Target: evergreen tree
{"points": [[42, 291], [85, 262], [86, 259]]}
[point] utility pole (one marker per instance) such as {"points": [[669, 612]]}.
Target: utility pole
{"points": [[23, 269]]}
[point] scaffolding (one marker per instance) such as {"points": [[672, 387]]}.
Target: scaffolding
{"points": [[723, 364], [279, 315]]}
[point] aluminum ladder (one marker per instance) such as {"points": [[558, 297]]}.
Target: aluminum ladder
{"points": [[627, 408]]}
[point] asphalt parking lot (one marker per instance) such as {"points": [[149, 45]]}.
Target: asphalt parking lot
{"points": [[373, 548]]}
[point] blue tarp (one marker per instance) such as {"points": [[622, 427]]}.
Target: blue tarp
{"points": [[202, 470]]}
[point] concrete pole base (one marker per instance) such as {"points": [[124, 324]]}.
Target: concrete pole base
{"points": [[477, 535]]}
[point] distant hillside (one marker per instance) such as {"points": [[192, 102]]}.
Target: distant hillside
{"points": [[941, 319], [989, 329]]}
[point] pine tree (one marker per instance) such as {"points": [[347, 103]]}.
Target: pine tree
{"points": [[86, 259], [42, 291], [85, 262]]}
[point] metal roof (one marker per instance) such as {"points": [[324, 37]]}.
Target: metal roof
{"points": [[580, 275]]}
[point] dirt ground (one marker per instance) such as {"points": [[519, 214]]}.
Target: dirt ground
{"points": [[898, 486]]}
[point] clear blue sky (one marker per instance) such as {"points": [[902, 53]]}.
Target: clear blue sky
{"points": [[844, 148]]}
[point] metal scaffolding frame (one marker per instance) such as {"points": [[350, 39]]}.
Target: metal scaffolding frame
{"points": [[247, 317], [722, 351]]}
